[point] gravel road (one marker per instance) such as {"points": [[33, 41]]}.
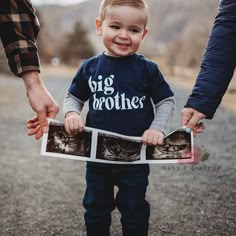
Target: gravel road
{"points": [[42, 196]]}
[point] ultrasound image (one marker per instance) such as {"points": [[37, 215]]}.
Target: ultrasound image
{"points": [[60, 142], [175, 146], [117, 149]]}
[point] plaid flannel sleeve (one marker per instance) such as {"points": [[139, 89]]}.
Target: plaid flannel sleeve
{"points": [[19, 27]]}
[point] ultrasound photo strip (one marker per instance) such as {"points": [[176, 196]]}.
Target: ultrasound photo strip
{"points": [[106, 147]]}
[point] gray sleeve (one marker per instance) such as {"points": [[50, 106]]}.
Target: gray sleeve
{"points": [[164, 113], [71, 103]]}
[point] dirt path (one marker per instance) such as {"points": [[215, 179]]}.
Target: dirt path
{"points": [[41, 196]]}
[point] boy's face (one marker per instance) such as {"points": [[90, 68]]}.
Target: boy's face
{"points": [[122, 29]]}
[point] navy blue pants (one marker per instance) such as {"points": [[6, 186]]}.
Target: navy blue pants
{"points": [[99, 200]]}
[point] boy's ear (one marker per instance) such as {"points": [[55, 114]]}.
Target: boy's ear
{"points": [[98, 26], [145, 33]]}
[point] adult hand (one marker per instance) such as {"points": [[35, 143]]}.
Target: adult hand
{"points": [[41, 102], [191, 118]]}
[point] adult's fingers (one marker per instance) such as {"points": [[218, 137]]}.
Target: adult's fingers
{"points": [[191, 117], [34, 131], [43, 122], [43, 115], [186, 114], [195, 119]]}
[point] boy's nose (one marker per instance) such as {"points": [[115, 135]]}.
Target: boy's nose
{"points": [[123, 34]]}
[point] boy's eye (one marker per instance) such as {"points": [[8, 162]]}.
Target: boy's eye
{"points": [[134, 30], [114, 26]]}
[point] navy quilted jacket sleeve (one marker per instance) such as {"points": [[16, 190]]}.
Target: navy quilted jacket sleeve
{"points": [[218, 63]]}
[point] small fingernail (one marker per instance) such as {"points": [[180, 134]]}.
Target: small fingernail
{"points": [[45, 129]]}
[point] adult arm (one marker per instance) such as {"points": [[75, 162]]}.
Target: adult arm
{"points": [[217, 67], [19, 28], [41, 102]]}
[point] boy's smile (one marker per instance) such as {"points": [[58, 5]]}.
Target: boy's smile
{"points": [[122, 30], [122, 46]]}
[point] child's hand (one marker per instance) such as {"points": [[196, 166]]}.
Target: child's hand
{"points": [[73, 123], [152, 137], [34, 128]]}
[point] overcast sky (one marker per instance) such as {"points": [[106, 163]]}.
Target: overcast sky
{"points": [[61, 2]]}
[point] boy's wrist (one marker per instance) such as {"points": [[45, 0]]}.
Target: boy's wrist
{"points": [[71, 113]]}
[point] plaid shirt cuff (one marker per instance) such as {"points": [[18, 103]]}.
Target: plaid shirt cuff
{"points": [[19, 27], [23, 62]]}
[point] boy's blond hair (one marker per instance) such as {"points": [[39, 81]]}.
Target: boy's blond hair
{"points": [[111, 3]]}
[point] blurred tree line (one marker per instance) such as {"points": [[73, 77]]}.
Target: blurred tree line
{"points": [[77, 46], [71, 49]]}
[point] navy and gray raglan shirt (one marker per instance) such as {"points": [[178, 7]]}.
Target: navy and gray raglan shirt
{"points": [[126, 95]]}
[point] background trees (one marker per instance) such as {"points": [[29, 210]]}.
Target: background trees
{"points": [[76, 46]]}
